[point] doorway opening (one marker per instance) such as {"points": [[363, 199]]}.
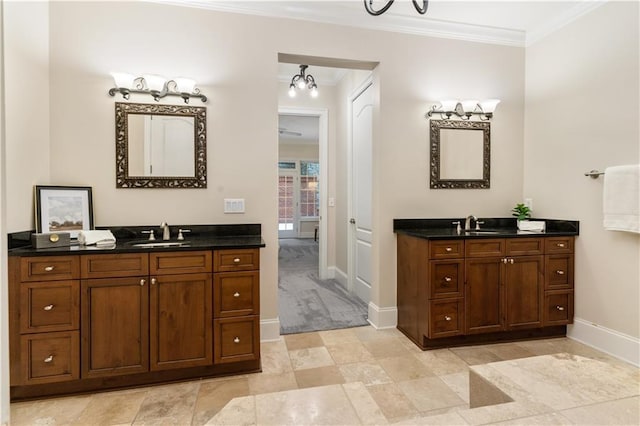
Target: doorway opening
{"points": [[313, 226]]}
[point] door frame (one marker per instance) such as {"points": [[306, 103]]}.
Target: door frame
{"points": [[351, 272], [323, 157]]}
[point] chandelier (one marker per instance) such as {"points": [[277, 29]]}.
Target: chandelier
{"points": [[368, 4], [302, 80]]}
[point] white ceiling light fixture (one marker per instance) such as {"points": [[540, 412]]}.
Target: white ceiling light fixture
{"points": [[368, 5], [302, 80], [465, 109]]}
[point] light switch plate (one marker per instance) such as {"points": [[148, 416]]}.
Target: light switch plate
{"points": [[234, 205], [332, 202]]}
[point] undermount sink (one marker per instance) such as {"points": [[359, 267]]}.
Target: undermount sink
{"points": [[154, 244], [480, 231]]}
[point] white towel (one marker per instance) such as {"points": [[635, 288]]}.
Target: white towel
{"points": [[621, 198], [99, 238]]}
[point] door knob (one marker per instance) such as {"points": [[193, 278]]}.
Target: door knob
{"points": [[352, 221]]}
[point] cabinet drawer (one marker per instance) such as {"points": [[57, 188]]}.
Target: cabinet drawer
{"points": [[524, 246], [558, 307], [50, 357], [446, 249], [558, 271], [49, 268], [558, 245], [190, 262], [236, 339], [236, 294], [236, 260], [485, 248], [447, 278], [49, 306], [115, 265], [446, 317]]}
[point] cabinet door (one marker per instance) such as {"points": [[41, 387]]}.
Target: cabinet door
{"points": [[483, 313], [524, 284], [446, 278], [115, 326], [181, 321]]}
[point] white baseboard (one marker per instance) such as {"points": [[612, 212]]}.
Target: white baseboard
{"points": [[382, 317], [269, 330], [338, 275], [617, 344]]}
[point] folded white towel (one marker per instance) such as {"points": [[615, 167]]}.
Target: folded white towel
{"points": [[98, 237], [621, 198]]}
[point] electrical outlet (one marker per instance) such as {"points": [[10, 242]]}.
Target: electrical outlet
{"points": [[529, 202], [332, 202]]}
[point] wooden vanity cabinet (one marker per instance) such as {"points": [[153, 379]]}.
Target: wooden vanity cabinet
{"points": [[98, 321], [452, 290], [44, 315], [236, 305]]}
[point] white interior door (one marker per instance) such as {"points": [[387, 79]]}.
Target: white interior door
{"points": [[360, 264]]}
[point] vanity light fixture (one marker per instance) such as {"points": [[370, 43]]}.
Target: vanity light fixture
{"points": [[302, 80], [156, 86], [368, 5], [465, 109]]}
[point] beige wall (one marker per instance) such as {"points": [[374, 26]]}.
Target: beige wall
{"points": [[297, 152], [26, 58], [581, 114], [219, 50], [4, 288]]}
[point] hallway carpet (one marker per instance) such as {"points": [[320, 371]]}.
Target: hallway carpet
{"points": [[307, 303]]}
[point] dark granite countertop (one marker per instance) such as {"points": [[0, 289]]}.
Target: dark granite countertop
{"points": [[201, 237], [443, 229]]}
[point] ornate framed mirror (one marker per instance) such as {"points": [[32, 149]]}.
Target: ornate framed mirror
{"points": [[460, 154], [161, 146]]}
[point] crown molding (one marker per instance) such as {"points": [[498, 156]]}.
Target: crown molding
{"points": [[415, 25]]}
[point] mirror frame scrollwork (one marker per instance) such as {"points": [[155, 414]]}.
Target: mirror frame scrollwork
{"points": [[435, 167], [123, 180]]}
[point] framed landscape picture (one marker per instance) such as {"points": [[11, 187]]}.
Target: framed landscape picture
{"points": [[63, 209]]}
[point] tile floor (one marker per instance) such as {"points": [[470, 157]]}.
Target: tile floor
{"points": [[363, 376]]}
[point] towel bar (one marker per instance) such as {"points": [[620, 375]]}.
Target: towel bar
{"points": [[594, 174]]}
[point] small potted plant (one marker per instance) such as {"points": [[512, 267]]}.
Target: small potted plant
{"points": [[521, 212]]}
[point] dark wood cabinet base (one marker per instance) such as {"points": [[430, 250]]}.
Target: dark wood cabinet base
{"points": [[19, 393], [495, 337]]}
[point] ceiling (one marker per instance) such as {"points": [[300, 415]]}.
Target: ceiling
{"points": [[298, 129], [508, 22]]}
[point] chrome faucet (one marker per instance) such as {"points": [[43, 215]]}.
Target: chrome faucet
{"points": [[467, 222], [166, 233]]}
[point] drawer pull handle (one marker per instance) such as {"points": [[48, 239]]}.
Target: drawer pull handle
{"points": [[154, 281], [236, 260], [236, 340], [448, 249], [447, 279], [48, 359], [560, 308], [142, 282], [48, 307], [447, 318], [49, 268], [561, 245], [236, 294], [560, 272]]}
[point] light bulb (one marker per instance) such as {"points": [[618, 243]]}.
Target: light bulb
{"points": [[314, 92], [154, 82], [301, 83], [123, 80], [469, 105], [489, 106], [185, 85], [292, 91], [448, 105]]}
